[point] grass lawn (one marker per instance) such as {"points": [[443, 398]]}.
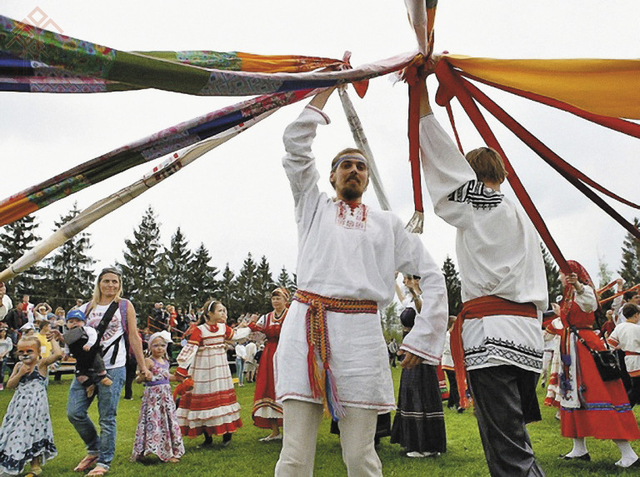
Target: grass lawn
{"points": [[246, 456]]}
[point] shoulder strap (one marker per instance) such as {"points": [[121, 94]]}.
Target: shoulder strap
{"points": [[102, 326]]}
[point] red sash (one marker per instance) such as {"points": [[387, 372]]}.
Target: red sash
{"points": [[476, 309]]}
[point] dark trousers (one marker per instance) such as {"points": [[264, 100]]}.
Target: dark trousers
{"points": [[505, 400], [454, 397], [634, 392], [131, 367]]}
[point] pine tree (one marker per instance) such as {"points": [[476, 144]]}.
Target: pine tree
{"points": [[201, 279], [69, 270], [554, 285], [16, 239], [141, 264], [174, 268], [246, 292], [285, 281], [630, 270], [263, 286], [228, 294], [453, 284]]}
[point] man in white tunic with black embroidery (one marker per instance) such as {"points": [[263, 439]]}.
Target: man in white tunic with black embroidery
{"points": [[332, 351], [504, 289]]}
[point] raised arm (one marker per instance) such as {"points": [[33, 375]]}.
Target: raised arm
{"points": [[299, 162], [451, 182]]}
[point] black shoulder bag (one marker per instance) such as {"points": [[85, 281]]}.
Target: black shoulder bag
{"points": [[606, 360]]}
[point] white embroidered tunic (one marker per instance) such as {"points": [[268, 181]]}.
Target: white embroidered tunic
{"points": [[498, 253], [353, 254]]}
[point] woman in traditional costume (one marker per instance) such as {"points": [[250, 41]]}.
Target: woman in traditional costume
{"points": [[419, 422], [211, 406], [267, 413], [590, 406]]}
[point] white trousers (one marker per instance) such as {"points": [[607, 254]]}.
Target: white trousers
{"points": [[357, 431]]}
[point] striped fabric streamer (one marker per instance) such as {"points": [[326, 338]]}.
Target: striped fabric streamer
{"points": [[85, 59], [152, 147], [322, 382]]}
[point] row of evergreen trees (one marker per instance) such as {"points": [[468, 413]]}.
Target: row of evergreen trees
{"points": [[185, 277]]}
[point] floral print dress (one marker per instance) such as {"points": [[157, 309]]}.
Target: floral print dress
{"points": [[158, 431]]}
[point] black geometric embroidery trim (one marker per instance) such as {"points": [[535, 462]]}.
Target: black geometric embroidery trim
{"points": [[478, 195]]}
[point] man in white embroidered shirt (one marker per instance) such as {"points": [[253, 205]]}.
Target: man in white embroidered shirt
{"points": [[331, 350], [497, 335]]}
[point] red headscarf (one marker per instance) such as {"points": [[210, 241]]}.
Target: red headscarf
{"points": [[583, 277]]}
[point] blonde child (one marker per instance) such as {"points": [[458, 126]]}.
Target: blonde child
{"points": [[26, 433], [158, 431], [211, 406]]}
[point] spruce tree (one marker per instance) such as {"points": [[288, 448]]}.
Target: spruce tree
{"points": [[16, 239], [452, 281], [263, 286], [69, 270], [554, 285], [228, 295], [246, 292], [202, 281], [141, 265], [174, 268], [630, 270], [284, 280]]}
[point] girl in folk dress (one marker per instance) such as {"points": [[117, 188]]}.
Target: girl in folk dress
{"points": [[211, 406], [26, 433], [158, 430], [590, 406], [267, 413]]}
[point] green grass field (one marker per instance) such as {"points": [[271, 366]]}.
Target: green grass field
{"points": [[246, 456]]}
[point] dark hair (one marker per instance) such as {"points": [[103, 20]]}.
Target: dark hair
{"points": [[629, 310], [628, 295], [408, 317]]}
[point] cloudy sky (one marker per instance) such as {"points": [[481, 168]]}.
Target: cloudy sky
{"points": [[236, 199]]}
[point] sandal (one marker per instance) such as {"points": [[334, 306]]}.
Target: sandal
{"points": [[87, 463], [98, 471]]}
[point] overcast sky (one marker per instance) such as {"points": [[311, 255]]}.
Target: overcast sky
{"points": [[236, 199]]}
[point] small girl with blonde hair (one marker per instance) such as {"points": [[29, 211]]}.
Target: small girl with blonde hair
{"points": [[158, 431], [26, 434]]}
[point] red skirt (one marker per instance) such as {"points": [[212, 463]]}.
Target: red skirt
{"points": [[605, 412], [264, 400]]}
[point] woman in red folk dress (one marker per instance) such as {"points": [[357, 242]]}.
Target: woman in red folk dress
{"points": [[267, 414], [211, 406], [590, 406]]}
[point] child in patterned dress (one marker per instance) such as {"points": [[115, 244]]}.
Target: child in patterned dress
{"points": [[158, 431], [26, 434]]}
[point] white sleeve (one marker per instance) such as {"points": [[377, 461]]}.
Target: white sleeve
{"points": [[240, 333], [426, 338], [446, 172], [92, 335], [299, 162], [587, 299]]}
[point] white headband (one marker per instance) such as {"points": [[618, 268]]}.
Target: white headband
{"points": [[349, 157]]}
